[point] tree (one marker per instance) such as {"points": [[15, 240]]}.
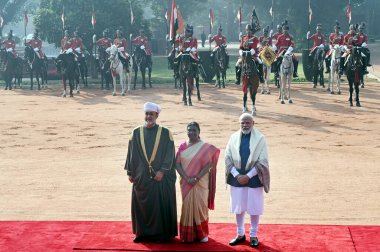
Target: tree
{"points": [[11, 11], [113, 15]]}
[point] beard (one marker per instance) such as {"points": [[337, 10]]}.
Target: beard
{"points": [[246, 131]]}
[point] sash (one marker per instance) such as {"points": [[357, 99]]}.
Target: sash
{"points": [[156, 143]]}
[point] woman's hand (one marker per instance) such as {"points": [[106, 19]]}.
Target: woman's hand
{"points": [[192, 180], [159, 176]]}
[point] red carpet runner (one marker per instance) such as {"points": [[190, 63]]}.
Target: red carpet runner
{"points": [[117, 236]]}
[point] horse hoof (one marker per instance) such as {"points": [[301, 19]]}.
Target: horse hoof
{"points": [[244, 110], [362, 86], [339, 92], [113, 94], [332, 92], [314, 86], [199, 98], [262, 91], [328, 90], [351, 104], [290, 101], [78, 92], [358, 104], [323, 86], [122, 94], [190, 103], [282, 102], [71, 95], [268, 92]]}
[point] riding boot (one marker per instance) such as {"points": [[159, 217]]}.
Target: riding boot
{"points": [[261, 73], [341, 67], [295, 75], [368, 59], [327, 61], [238, 75]]}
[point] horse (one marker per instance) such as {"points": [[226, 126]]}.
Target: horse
{"points": [[188, 71], [104, 68], [37, 66], [334, 76], [141, 62], [318, 60], [117, 68], [66, 65], [286, 75], [82, 69], [354, 71], [267, 68], [18, 71], [8, 63], [173, 63], [220, 65], [251, 80]]}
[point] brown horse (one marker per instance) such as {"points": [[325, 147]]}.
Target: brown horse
{"points": [[251, 80]]}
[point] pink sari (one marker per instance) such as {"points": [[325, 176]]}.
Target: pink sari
{"points": [[197, 199]]}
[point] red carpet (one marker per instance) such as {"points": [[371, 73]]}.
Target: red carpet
{"points": [[117, 236]]}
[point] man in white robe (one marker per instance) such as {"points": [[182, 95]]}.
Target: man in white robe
{"points": [[247, 173]]}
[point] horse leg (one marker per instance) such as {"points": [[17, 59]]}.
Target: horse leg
{"points": [[289, 83], [224, 78], [351, 83], [184, 99], [217, 82], [253, 99], [114, 84], [31, 79], [129, 77], [122, 82], [315, 79], [143, 78], [357, 94], [245, 98], [338, 83], [321, 79], [282, 89], [134, 82], [150, 77], [197, 85], [71, 83]]}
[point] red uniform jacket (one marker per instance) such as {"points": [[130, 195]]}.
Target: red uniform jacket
{"points": [[335, 39], [276, 35], [121, 42], [219, 40], [318, 40], [361, 39], [348, 36], [284, 42], [142, 40], [75, 43], [190, 42], [65, 43], [36, 43], [104, 42], [264, 41], [10, 43], [248, 43]]}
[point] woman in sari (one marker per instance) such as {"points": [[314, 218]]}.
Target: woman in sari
{"points": [[196, 163]]}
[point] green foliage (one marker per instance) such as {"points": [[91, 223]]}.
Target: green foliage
{"points": [[113, 15]]}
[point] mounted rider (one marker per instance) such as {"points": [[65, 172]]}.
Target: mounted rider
{"points": [[105, 42], [77, 45], [350, 40], [36, 44], [363, 42], [142, 42], [278, 33], [9, 44], [285, 44], [335, 38], [265, 39], [249, 42], [318, 39], [121, 44], [189, 44], [66, 43], [219, 40]]}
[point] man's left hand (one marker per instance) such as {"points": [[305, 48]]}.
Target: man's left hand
{"points": [[159, 176]]}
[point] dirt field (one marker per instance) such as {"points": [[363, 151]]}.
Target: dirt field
{"points": [[63, 158]]}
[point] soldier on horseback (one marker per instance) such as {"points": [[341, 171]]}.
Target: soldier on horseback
{"points": [[278, 33], [318, 38], [350, 40], [121, 44], [9, 44], [362, 41], [285, 44], [219, 40], [335, 38], [265, 39], [77, 45], [189, 44], [104, 42], [249, 42], [36, 44], [142, 42], [66, 43]]}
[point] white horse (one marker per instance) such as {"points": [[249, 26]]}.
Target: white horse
{"points": [[286, 76], [117, 68], [334, 66]]}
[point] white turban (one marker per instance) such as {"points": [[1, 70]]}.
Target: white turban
{"points": [[152, 107]]}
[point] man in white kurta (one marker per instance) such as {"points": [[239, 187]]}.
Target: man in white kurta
{"points": [[247, 170]]}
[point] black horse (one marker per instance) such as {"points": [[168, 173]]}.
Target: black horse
{"points": [[141, 62], [104, 68], [220, 65], [251, 80], [66, 66], [18, 71], [173, 63], [11, 67], [81, 70], [37, 66], [318, 59], [188, 71], [354, 71]]}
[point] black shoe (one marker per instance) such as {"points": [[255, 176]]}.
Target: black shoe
{"points": [[237, 240], [254, 242], [138, 239], [369, 64], [365, 72]]}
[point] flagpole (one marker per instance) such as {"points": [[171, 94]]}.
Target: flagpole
{"points": [[210, 29], [25, 23], [308, 29]]}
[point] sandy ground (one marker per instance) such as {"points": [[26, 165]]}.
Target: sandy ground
{"points": [[63, 158]]}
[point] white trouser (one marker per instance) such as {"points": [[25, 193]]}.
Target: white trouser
{"points": [[254, 224]]}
